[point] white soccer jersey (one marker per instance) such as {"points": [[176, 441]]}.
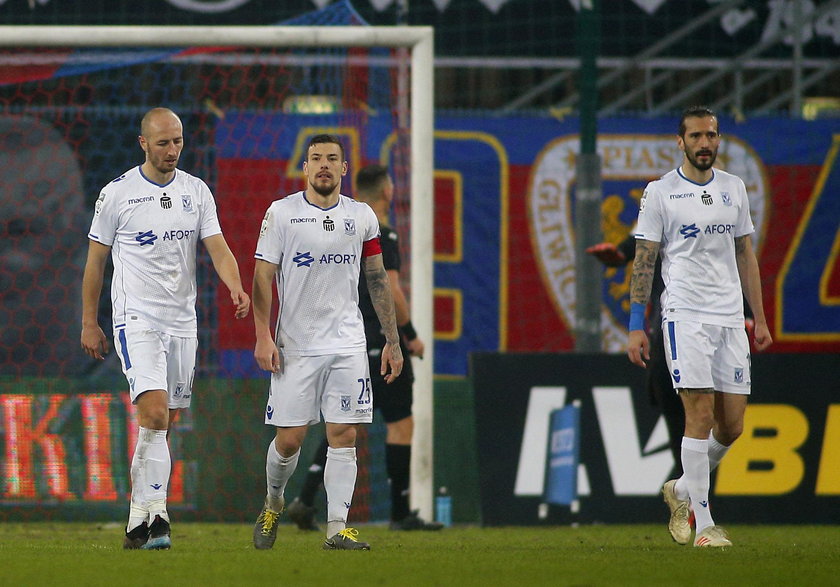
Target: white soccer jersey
{"points": [[696, 226], [319, 254], [153, 231]]}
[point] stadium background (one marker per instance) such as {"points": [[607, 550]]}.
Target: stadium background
{"points": [[502, 286]]}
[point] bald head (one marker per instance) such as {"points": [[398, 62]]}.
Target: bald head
{"points": [[162, 139], [157, 117]]}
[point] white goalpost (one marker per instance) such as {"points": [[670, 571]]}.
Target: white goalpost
{"points": [[420, 45]]}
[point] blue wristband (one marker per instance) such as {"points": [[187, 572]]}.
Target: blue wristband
{"points": [[637, 316]]}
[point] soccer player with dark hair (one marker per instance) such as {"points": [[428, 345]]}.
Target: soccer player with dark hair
{"points": [[697, 218], [315, 244], [375, 187]]}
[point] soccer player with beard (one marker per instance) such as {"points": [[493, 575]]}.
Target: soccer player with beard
{"points": [[314, 244], [150, 220], [697, 218]]}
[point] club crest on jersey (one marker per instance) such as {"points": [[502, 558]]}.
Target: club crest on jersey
{"points": [[166, 202], [329, 225], [345, 403], [350, 226], [186, 202], [726, 198]]}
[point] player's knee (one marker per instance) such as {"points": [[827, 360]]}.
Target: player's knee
{"points": [[729, 434], [341, 436]]}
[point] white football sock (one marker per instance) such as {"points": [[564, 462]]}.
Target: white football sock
{"points": [[716, 452], [339, 483], [695, 461], [156, 471], [278, 471], [139, 509]]}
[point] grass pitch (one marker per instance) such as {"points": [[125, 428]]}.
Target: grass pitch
{"points": [[222, 554]]}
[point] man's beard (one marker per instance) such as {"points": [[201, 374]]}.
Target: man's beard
{"points": [[323, 189], [712, 155]]}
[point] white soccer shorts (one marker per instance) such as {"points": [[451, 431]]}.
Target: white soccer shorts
{"points": [[335, 386], [707, 356], [154, 360]]}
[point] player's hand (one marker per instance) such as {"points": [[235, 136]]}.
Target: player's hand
{"points": [[762, 338], [268, 355], [241, 302], [94, 342], [392, 362], [608, 254], [416, 348], [638, 347]]}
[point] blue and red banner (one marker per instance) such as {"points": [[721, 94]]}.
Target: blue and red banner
{"points": [[504, 222]]}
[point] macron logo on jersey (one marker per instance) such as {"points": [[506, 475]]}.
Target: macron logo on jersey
{"points": [[146, 238], [689, 230], [303, 259], [301, 220], [143, 200]]}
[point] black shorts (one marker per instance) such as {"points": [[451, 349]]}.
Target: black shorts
{"points": [[393, 400]]}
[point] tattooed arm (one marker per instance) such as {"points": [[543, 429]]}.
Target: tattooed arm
{"points": [[379, 288], [638, 346]]}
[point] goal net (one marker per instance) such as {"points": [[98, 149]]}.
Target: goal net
{"points": [[71, 99]]}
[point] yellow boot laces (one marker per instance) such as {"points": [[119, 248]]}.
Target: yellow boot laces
{"points": [[269, 519], [350, 533]]}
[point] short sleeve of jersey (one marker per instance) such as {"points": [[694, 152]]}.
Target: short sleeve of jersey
{"points": [[103, 227], [389, 241], [209, 216], [744, 224], [269, 242], [371, 224], [650, 227]]}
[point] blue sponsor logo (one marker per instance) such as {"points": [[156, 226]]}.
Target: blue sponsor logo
{"points": [[719, 228], [676, 375], [177, 235], [689, 230], [146, 238], [269, 412], [337, 259], [155, 486], [303, 259], [705, 504]]}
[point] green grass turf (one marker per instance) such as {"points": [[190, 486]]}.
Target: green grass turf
{"points": [[54, 553]]}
